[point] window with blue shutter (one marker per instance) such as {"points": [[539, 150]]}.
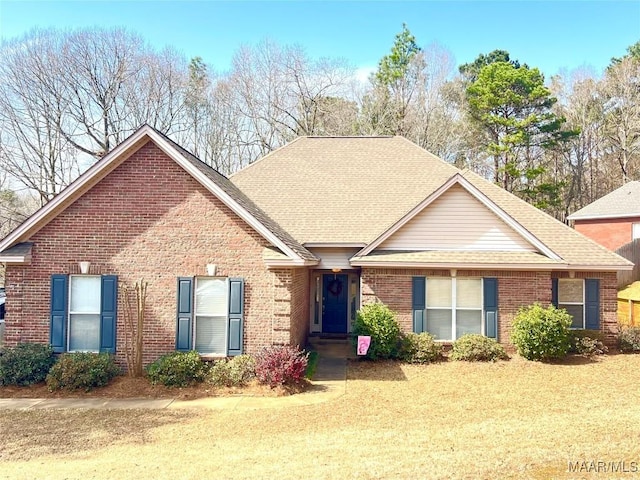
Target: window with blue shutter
{"points": [[592, 303], [449, 307], [210, 315], [59, 313], [83, 313], [419, 304], [490, 287], [580, 298]]}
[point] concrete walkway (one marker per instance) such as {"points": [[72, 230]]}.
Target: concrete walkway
{"points": [[328, 383]]}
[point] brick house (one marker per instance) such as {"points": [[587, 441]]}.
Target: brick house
{"points": [[288, 247], [612, 220]]}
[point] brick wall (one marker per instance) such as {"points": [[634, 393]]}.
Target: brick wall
{"points": [[610, 233], [515, 289], [147, 219]]}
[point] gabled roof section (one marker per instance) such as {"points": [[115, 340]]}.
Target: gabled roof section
{"points": [[458, 179], [213, 181], [623, 202], [351, 190], [342, 189]]}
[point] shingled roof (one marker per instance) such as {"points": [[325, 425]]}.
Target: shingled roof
{"points": [[621, 203], [351, 190]]}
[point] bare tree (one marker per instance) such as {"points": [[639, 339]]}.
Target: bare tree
{"points": [[32, 111], [621, 89]]}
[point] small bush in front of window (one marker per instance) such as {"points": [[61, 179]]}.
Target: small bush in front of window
{"points": [[82, 370], [587, 343], [25, 364], [629, 339], [541, 333], [473, 347], [379, 322], [281, 365], [177, 369], [235, 372], [420, 348]]}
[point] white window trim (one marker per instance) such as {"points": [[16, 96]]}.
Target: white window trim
{"points": [[70, 313], [635, 230], [584, 309], [453, 307], [226, 316]]}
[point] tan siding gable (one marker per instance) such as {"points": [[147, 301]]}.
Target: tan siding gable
{"points": [[456, 221]]}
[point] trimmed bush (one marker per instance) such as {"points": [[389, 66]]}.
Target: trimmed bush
{"points": [[420, 348], [473, 347], [379, 322], [25, 364], [281, 365], [587, 343], [629, 339], [177, 369], [541, 333], [236, 372], [81, 370]]}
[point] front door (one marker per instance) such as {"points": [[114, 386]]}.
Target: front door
{"points": [[335, 289]]}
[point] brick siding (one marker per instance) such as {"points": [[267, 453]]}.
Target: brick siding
{"points": [[611, 233], [515, 289], [149, 219]]}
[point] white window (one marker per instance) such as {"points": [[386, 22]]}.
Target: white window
{"points": [[571, 298], [454, 307], [84, 313], [635, 231], [211, 307]]}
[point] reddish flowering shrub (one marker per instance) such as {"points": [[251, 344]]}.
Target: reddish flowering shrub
{"points": [[281, 365]]}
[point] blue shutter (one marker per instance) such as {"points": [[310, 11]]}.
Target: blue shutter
{"points": [[419, 303], [554, 292], [59, 312], [236, 314], [108, 309], [490, 286], [185, 314], [592, 303]]}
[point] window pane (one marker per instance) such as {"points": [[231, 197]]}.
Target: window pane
{"points": [[577, 314], [211, 296], [85, 295], [211, 335], [84, 332], [570, 290], [469, 293], [439, 324], [468, 321], [438, 292]]}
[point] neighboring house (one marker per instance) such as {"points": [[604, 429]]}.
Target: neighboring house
{"points": [[613, 220], [298, 241]]}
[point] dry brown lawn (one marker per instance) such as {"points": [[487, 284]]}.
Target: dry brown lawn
{"points": [[514, 419]]}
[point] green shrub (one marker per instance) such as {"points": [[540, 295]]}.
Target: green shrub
{"points": [[541, 333], [587, 343], [379, 322], [281, 365], [177, 369], [236, 372], [25, 364], [85, 371], [473, 347], [312, 364], [420, 348], [629, 339]]}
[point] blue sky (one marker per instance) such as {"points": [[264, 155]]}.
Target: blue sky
{"points": [[550, 35]]}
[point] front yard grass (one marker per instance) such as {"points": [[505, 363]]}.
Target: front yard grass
{"points": [[514, 419]]}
